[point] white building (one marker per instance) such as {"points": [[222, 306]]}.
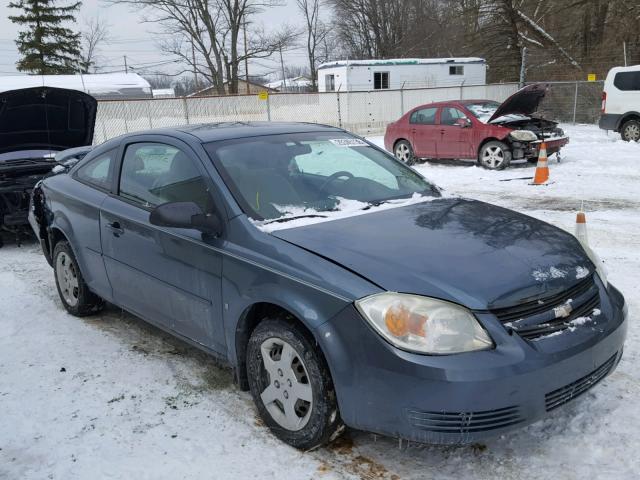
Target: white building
{"points": [[397, 73], [99, 85]]}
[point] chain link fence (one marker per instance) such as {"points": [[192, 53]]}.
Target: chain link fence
{"points": [[365, 113]]}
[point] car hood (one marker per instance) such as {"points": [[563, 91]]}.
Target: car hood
{"points": [[524, 102], [45, 118], [464, 251]]}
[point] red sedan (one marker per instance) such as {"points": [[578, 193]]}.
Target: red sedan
{"points": [[484, 130]]}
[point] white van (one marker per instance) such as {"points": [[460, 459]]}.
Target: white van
{"points": [[621, 102]]}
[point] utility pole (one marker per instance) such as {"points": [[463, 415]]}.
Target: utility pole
{"points": [[284, 81], [126, 69], [246, 59]]}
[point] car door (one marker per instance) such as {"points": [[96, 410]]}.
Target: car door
{"points": [[455, 139], [423, 132], [169, 276]]}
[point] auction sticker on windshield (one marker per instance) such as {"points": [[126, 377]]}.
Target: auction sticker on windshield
{"points": [[349, 142]]}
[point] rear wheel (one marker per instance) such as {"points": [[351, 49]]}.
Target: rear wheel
{"points": [[630, 131], [494, 155], [404, 152], [291, 385], [74, 292]]}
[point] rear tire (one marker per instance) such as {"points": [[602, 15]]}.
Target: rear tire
{"points": [[630, 131], [494, 155], [74, 293], [291, 385], [403, 151]]}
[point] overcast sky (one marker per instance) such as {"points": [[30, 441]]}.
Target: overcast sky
{"points": [[136, 40]]}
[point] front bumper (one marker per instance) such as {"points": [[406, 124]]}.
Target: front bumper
{"points": [[463, 398]]}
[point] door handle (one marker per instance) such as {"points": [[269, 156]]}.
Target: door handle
{"points": [[115, 228], [442, 131]]}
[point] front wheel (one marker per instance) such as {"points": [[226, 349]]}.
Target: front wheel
{"points": [[494, 155], [404, 152], [291, 385], [630, 131]]}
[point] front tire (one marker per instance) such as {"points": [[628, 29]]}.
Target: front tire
{"points": [[630, 131], [291, 385], [403, 151], [74, 293], [494, 155]]}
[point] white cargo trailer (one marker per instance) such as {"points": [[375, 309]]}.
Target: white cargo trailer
{"points": [[392, 74]]}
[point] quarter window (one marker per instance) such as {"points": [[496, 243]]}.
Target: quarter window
{"points": [[380, 80], [96, 172], [154, 173], [627, 81], [424, 116]]}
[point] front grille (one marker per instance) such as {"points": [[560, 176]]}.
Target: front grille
{"points": [[457, 422], [536, 318], [568, 392]]}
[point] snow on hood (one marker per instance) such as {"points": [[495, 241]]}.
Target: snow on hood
{"points": [[522, 103], [344, 209], [46, 118]]}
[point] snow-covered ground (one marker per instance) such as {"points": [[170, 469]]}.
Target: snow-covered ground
{"points": [[111, 397]]}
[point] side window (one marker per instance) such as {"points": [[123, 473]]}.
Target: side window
{"points": [[425, 116], [456, 70], [380, 80], [96, 172], [155, 173], [449, 116], [330, 83], [627, 81]]}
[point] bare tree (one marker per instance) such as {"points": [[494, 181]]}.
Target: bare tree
{"points": [[205, 34], [94, 34], [316, 32]]}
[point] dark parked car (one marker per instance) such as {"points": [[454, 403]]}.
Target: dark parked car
{"points": [[342, 287], [36, 124], [483, 130]]}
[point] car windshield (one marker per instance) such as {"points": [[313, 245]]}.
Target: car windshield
{"points": [[277, 177], [483, 111]]}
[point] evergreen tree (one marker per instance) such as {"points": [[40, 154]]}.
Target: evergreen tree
{"points": [[46, 45]]}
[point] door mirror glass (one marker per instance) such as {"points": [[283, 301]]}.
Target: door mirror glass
{"points": [[185, 215], [463, 122]]}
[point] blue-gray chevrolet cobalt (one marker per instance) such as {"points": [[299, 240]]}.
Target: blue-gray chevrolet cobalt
{"points": [[341, 286]]}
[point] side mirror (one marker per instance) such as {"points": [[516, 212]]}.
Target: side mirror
{"points": [[463, 122], [185, 215]]}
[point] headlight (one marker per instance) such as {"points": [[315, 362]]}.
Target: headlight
{"points": [[595, 259], [523, 135], [422, 324]]}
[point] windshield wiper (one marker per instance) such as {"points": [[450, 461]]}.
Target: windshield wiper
{"points": [[295, 217]]}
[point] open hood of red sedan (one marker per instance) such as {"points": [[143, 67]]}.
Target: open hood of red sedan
{"points": [[46, 118], [524, 102]]}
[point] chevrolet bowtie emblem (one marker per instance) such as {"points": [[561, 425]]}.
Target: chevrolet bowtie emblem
{"points": [[563, 311]]}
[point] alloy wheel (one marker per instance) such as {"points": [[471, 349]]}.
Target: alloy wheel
{"points": [[288, 396], [493, 157], [67, 276], [403, 153]]}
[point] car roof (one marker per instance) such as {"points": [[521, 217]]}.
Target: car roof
{"points": [[456, 102], [212, 132]]}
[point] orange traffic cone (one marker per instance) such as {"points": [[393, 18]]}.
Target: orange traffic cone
{"points": [[581, 228], [542, 169]]}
